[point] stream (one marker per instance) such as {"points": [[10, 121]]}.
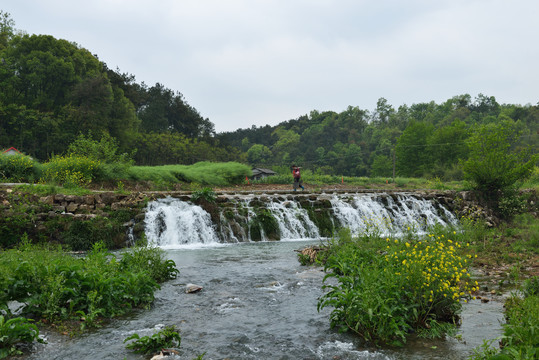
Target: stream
{"points": [[257, 302]]}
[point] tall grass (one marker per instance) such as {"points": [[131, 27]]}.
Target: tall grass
{"points": [[204, 173]]}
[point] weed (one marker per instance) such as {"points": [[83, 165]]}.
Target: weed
{"points": [[206, 193], [14, 331], [166, 338]]}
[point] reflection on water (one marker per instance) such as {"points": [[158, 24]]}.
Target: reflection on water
{"points": [[257, 302]]}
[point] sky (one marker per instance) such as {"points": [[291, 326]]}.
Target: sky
{"points": [[244, 63]]}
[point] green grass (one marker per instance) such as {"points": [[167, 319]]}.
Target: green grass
{"points": [[205, 173]]}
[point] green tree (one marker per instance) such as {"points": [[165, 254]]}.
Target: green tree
{"points": [[411, 151], [7, 28], [494, 162], [382, 165], [259, 154], [105, 150]]}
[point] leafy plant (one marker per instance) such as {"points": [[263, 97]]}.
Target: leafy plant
{"points": [[57, 286], [206, 193], [72, 171], [14, 331], [530, 287], [19, 168], [166, 338], [386, 288]]}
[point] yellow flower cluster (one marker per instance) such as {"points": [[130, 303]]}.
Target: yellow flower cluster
{"points": [[433, 270], [71, 170]]}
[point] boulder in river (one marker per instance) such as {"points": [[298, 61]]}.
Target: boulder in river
{"points": [[192, 288]]}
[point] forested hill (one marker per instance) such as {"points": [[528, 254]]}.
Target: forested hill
{"points": [[52, 90], [425, 139]]}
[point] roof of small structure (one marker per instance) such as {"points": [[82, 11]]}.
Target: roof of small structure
{"points": [[10, 150], [257, 171]]}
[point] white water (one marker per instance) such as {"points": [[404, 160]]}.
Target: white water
{"points": [[294, 222], [367, 213], [171, 223]]}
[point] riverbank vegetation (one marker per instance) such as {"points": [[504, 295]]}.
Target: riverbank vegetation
{"points": [[48, 286], [388, 288]]}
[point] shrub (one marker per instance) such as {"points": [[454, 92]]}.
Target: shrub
{"points": [[57, 286], [150, 259], [207, 194], [166, 338], [72, 171], [494, 163], [19, 168], [386, 288], [105, 150]]}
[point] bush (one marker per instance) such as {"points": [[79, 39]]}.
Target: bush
{"points": [[105, 150], [72, 171], [207, 194], [494, 164], [14, 331], [19, 168], [387, 288]]}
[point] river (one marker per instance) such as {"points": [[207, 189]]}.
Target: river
{"points": [[257, 302]]}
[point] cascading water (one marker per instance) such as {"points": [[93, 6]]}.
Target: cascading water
{"points": [[258, 302], [294, 222], [373, 212], [171, 222]]}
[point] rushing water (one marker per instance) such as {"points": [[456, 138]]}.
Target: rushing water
{"points": [[257, 301], [171, 222]]}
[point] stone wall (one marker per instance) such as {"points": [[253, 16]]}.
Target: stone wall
{"points": [[38, 210]]}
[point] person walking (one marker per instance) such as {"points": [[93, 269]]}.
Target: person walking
{"points": [[297, 178]]}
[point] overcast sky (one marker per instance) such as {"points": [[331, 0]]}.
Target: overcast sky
{"points": [[256, 62]]}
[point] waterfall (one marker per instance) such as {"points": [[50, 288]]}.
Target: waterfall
{"points": [[294, 221], [171, 222], [380, 214]]}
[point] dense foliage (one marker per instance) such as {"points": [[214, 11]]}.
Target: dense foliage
{"points": [[425, 139], [56, 286], [53, 91], [387, 288], [15, 331]]}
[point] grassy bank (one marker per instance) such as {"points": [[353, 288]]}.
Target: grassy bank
{"points": [[71, 293]]}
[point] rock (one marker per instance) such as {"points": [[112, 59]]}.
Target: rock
{"points": [[192, 288], [484, 300], [72, 207]]}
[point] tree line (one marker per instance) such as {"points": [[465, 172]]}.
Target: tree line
{"points": [[421, 140], [53, 90]]}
